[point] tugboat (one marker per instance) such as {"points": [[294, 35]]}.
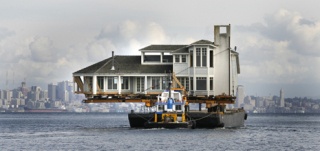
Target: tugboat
{"points": [[170, 112]]}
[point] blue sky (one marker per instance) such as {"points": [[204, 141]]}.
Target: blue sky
{"points": [[46, 41]]}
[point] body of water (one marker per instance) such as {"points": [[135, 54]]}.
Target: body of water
{"points": [[105, 131]]}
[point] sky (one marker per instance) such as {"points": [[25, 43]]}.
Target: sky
{"points": [[46, 41]]}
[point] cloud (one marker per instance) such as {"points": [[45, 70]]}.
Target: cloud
{"points": [[302, 34], [125, 38], [284, 50], [41, 59], [99, 49], [156, 34], [4, 33], [42, 50], [129, 29]]}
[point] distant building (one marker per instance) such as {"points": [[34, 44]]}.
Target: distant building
{"points": [[7, 95], [240, 96], [52, 92], [281, 98], [64, 91], [24, 89], [34, 94], [44, 95], [1, 94], [16, 102], [16, 93]]}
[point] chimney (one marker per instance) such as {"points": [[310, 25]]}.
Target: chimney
{"points": [[112, 68]]}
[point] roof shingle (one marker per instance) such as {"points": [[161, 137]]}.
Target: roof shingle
{"points": [[124, 64], [202, 42], [163, 47]]}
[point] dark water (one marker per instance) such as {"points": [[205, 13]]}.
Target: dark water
{"points": [[101, 131]]}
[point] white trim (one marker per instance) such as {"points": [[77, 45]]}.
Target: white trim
{"points": [[119, 84]]}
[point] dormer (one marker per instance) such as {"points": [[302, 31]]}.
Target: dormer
{"points": [[158, 54], [201, 54]]}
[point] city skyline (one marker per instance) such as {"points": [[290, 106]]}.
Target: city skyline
{"points": [[278, 42], [61, 97], [241, 89]]}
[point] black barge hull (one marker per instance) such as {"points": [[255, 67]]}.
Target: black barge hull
{"points": [[229, 119]]}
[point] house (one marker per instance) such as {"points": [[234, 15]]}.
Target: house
{"points": [[203, 68]]}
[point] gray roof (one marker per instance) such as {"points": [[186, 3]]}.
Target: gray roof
{"points": [[181, 50], [132, 64], [202, 42], [163, 47], [176, 48], [124, 64]]}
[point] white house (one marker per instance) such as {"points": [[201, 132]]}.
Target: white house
{"points": [[203, 68]]}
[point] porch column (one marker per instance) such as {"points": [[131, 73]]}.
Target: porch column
{"points": [[119, 85], [94, 84], [145, 84], [142, 57]]}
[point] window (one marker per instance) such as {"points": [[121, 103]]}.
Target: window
{"points": [[88, 83], [112, 83], [211, 58], [100, 81], [204, 57], [181, 80], [155, 83], [201, 83], [165, 82], [125, 83], [191, 58], [177, 58], [161, 107], [211, 83], [140, 84], [183, 58], [185, 82], [198, 58]]}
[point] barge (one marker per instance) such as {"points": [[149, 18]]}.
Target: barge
{"points": [[173, 113], [196, 119]]}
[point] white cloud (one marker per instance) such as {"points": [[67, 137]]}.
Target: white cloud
{"points": [[128, 29], [42, 50], [283, 51], [4, 33], [125, 38], [40, 60], [303, 34], [155, 34], [99, 50]]}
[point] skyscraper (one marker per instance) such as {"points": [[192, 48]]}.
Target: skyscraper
{"points": [[281, 98], [64, 91], [34, 94], [240, 96], [52, 92], [24, 89]]}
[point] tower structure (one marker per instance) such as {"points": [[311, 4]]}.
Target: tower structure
{"points": [[52, 91], [281, 98], [240, 96]]}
